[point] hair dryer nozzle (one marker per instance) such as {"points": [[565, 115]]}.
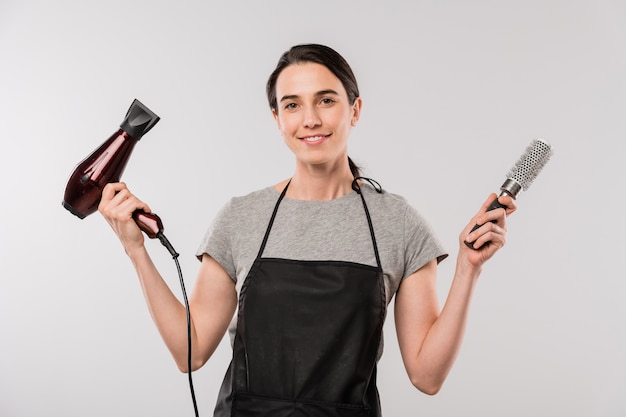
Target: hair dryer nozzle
{"points": [[139, 120]]}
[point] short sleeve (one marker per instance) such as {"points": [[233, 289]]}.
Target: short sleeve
{"points": [[420, 243], [217, 241]]}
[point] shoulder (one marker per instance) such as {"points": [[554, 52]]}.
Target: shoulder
{"points": [[240, 210], [266, 193], [239, 218], [396, 214], [252, 201], [386, 201]]}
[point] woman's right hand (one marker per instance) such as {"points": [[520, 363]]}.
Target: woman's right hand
{"points": [[117, 206]]}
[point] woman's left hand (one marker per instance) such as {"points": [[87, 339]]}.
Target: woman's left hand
{"points": [[491, 235]]}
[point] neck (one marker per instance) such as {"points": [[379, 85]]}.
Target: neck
{"points": [[319, 184]]}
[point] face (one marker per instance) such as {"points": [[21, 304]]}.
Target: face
{"points": [[314, 115]]}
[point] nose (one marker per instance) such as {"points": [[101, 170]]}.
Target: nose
{"points": [[311, 117]]}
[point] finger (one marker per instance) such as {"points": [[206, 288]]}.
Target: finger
{"points": [[111, 189], [485, 208], [109, 192], [122, 196], [473, 236], [490, 211], [509, 202], [490, 234], [117, 197], [502, 206], [496, 216], [494, 222], [125, 204], [488, 202]]}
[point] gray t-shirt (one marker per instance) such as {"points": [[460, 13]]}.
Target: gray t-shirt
{"points": [[322, 230]]}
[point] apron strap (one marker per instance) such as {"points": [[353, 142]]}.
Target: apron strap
{"points": [[271, 223], [356, 187]]}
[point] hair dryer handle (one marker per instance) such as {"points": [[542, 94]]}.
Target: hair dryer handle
{"points": [[149, 223]]}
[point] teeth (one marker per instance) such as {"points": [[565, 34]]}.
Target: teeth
{"points": [[313, 138]]}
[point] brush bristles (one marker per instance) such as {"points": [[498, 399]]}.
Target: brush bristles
{"points": [[532, 161]]}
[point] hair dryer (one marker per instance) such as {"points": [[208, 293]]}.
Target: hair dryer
{"points": [[106, 164]]}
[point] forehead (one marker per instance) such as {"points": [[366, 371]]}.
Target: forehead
{"points": [[307, 78]]}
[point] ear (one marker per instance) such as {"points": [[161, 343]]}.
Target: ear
{"points": [[356, 111], [275, 116]]}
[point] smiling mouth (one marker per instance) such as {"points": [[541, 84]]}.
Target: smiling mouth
{"points": [[316, 138]]}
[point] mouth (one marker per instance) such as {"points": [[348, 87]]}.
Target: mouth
{"points": [[314, 138]]}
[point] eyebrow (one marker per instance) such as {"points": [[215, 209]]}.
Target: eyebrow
{"points": [[318, 94]]}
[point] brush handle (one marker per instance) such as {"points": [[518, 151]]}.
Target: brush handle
{"points": [[495, 204]]}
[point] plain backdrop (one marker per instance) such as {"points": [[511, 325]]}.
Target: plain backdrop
{"points": [[453, 93]]}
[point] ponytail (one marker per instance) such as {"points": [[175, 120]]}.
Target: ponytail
{"points": [[355, 169]]}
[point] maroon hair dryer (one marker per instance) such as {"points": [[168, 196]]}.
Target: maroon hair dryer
{"points": [[106, 164]]}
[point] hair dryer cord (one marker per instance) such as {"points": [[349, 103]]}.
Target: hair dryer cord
{"points": [[169, 247], [152, 226]]}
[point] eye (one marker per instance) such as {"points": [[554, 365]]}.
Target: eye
{"points": [[290, 106], [327, 101]]}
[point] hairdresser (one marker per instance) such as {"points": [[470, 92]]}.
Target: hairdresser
{"points": [[309, 266]]}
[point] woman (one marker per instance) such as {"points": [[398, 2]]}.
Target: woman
{"points": [[310, 265]]}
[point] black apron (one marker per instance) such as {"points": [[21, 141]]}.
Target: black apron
{"points": [[307, 336]]}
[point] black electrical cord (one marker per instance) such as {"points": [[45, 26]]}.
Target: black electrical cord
{"points": [[174, 254]]}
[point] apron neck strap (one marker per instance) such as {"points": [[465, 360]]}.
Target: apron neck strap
{"points": [[269, 226], [356, 187]]}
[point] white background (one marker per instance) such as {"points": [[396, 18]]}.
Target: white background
{"points": [[453, 93]]}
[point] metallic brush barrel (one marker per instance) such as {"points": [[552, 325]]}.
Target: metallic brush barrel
{"points": [[526, 169]]}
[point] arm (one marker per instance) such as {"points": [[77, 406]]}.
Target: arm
{"points": [[211, 304], [430, 339]]}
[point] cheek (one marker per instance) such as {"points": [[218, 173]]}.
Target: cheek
{"points": [[344, 120], [286, 125]]}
